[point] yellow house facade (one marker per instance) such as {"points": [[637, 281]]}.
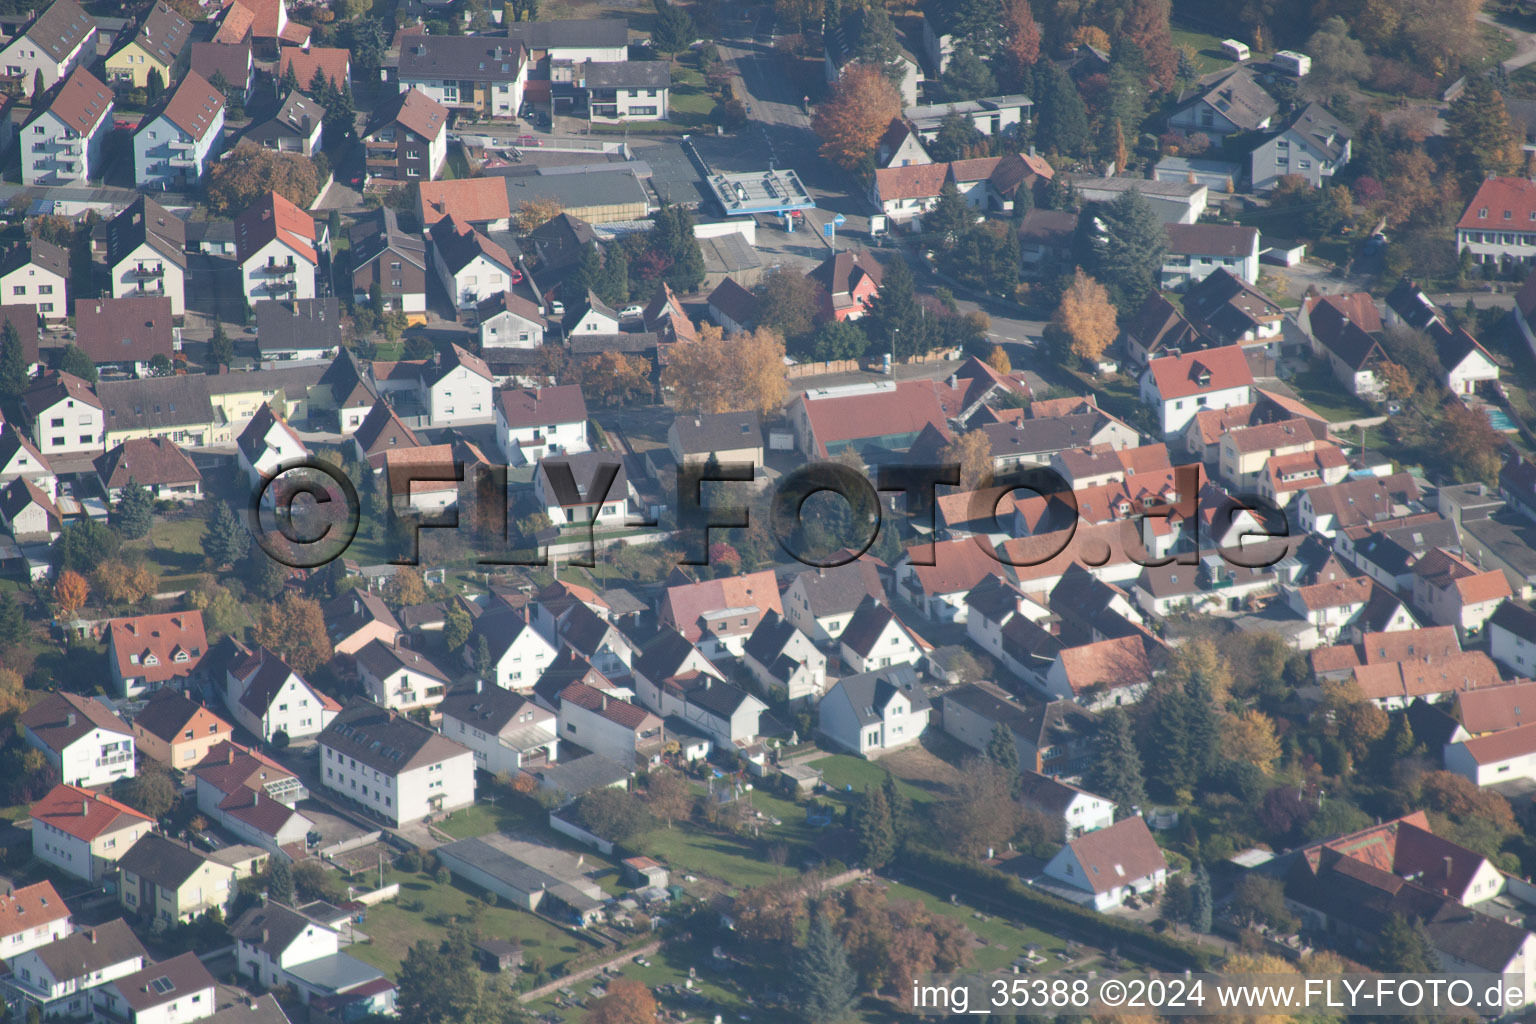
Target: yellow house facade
{"points": [[158, 47]]}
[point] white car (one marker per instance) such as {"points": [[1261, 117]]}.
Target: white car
{"points": [[632, 312]]}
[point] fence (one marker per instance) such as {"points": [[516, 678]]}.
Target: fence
{"points": [[857, 366]]}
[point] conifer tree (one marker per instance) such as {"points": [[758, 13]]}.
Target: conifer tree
{"points": [[1116, 773], [1200, 901], [13, 362], [876, 834], [135, 511], [827, 981], [225, 539], [1003, 752]]}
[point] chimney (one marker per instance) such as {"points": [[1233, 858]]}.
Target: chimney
{"points": [[231, 753], [255, 797], [604, 697], [85, 808], [1447, 865], [479, 685], [90, 935], [266, 936], [306, 124], [70, 719]]}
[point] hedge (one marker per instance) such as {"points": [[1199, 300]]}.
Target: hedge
{"points": [[1040, 908]]}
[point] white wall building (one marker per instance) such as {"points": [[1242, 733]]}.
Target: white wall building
{"points": [[394, 767], [63, 144]]}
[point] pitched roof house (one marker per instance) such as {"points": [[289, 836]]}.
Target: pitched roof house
{"points": [[84, 833], [145, 652]]}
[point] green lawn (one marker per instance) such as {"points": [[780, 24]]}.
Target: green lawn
{"points": [[175, 545], [842, 770], [1005, 940], [426, 909], [1318, 388], [1207, 47]]}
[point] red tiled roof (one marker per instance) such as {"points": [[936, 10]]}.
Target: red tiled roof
{"points": [[334, 63], [165, 637], [275, 217], [1467, 670], [1502, 746], [476, 200], [1121, 660], [30, 907], [236, 26], [85, 815], [195, 105], [1503, 204], [915, 181], [1180, 376], [958, 565], [1497, 707], [620, 712], [684, 605], [1335, 593], [82, 102], [905, 409], [1124, 852]]}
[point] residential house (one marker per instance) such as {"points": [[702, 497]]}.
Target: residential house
{"points": [[873, 712], [399, 678], [153, 463], [1072, 810], [733, 307], [296, 127], [1104, 867], [625, 90], [875, 639], [820, 602], [1230, 311], [1494, 709], [1311, 144], [125, 333], [168, 883], [571, 489], [719, 615], [1244, 452], [178, 408], [29, 513], [785, 661], [609, 726], [380, 433], [900, 146], [22, 318], [63, 143], [886, 414], [346, 390], [1343, 328], [1512, 637], [156, 50], [252, 797], [82, 738], [1464, 363], [147, 253], [938, 589], [458, 388], [310, 63], [596, 639], [1499, 224], [84, 833], [1055, 738], [178, 731], [722, 711], [1174, 202], [1508, 756], [1328, 510], [146, 652], [277, 247], [391, 263], [267, 697], [298, 329], [665, 316], [991, 115], [407, 138], [1233, 103], [18, 459], [1177, 387], [234, 61], [270, 27], [355, 618], [508, 320], [264, 447], [845, 40], [32, 916], [1102, 674], [36, 271], [507, 732], [481, 74], [903, 194], [60, 39], [270, 939], [61, 978], [470, 265], [175, 143], [532, 423], [1195, 250], [1453, 592], [177, 989], [850, 281], [519, 653], [392, 766]]}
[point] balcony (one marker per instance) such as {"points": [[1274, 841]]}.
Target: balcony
{"points": [[144, 271], [278, 269], [112, 760], [156, 289]]}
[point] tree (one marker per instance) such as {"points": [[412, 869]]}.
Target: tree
{"points": [[13, 362], [999, 361], [1085, 318], [967, 77], [973, 452], [1022, 39], [239, 179], [1004, 752], [1146, 26], [405, 588], [1404, 947], [878, 46], [950, 217], [612, 283], [957, 138], [1338, 58], [119, 583], [1062, 125], [613, 814], [827, 984], [1200, 901], [225, 539], [1249, 738], [1469, 445], [588, 272], [1127, 246], [531, 213], [981, 813], [849, 123], [1116, 771], [985, 257], [221, 351], [1481, 138], [352, 10], [289, 82], [668, 795], [135, 511], [839, 339], [895, 315], [714, 373], [73, 360], [875, 832], [627, 1001], [440, 983], [280, 881], [84, 544], [456, 627], [614, 378], [13, 623], [789, 302], [294, 629], [150, 790], [673, 29], [672, 237]]}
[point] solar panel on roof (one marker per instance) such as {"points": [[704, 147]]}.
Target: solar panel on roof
{"points": [[162, 984]]}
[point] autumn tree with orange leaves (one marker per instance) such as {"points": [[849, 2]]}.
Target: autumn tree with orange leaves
{"points": [[1085, 320], [720, 373], [850, 123], [628, 1002], [70, 592]]}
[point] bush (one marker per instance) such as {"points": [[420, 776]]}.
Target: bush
{"points": [[409, 862], [442, 876]]}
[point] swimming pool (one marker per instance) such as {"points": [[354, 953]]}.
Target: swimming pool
{"points": [[1500, 420]]}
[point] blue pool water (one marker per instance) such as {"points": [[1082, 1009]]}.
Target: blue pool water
{"points": [[1500, 420]]}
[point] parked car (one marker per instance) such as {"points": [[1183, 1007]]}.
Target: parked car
{"points": [[631, 312]]}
